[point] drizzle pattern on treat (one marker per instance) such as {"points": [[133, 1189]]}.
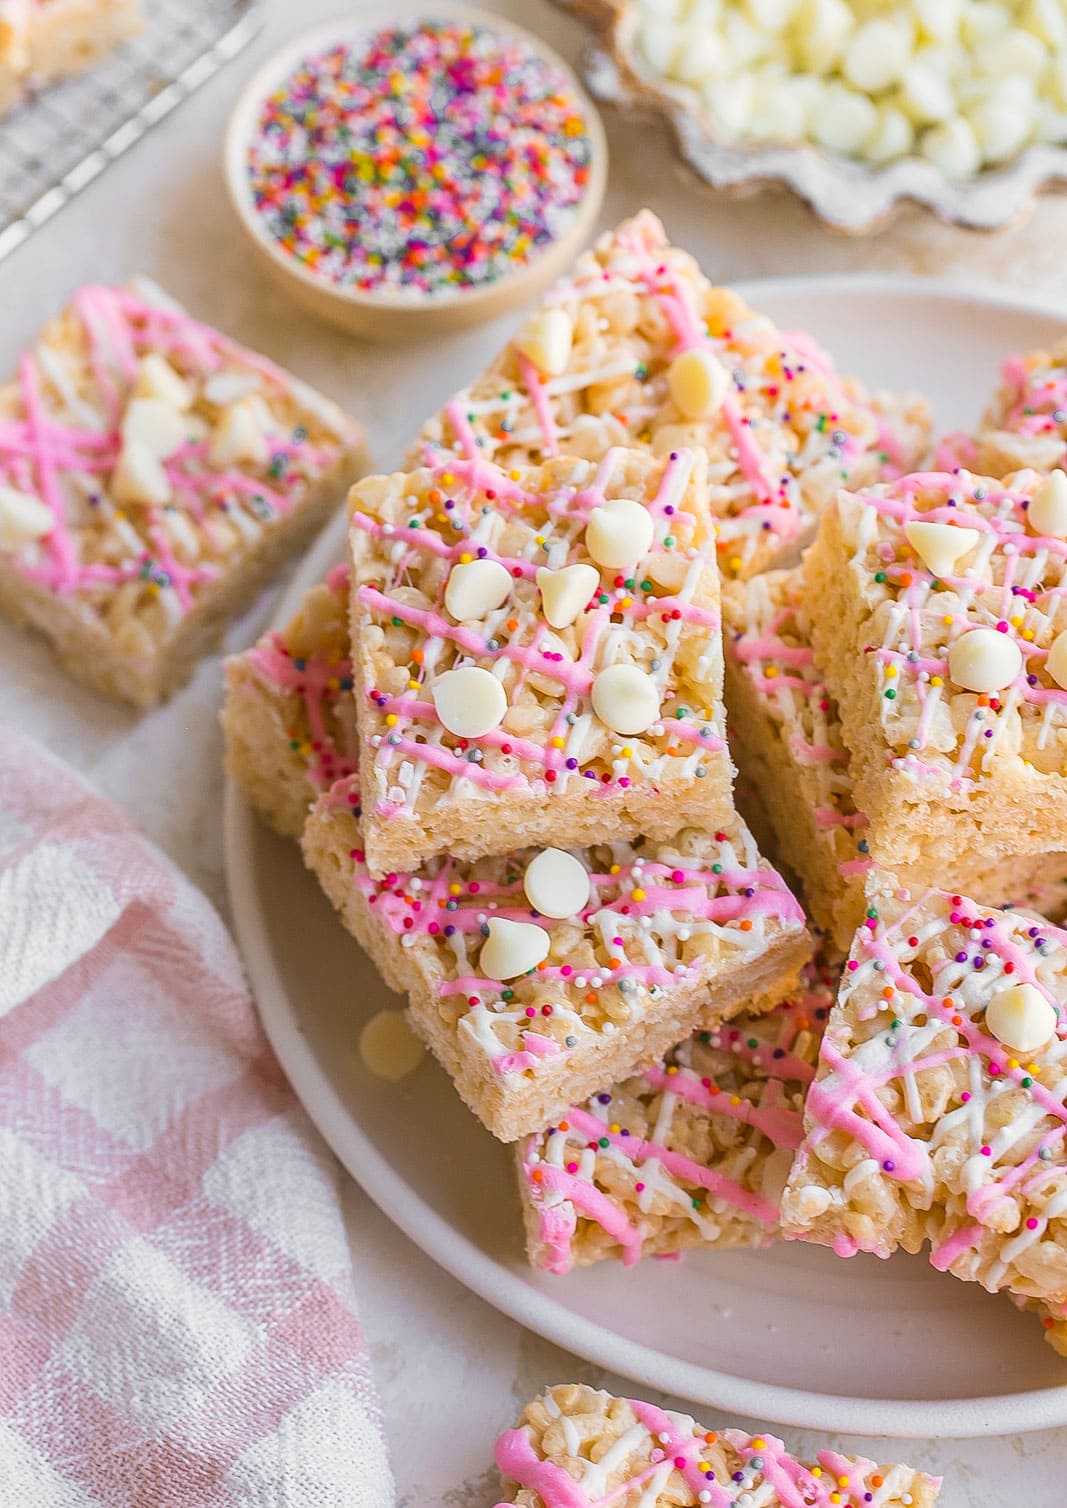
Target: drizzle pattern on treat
{"points": [[924, 1121], [660, 916], [781, 427], [123, 544], [1009, 582], [579, 1448], [319, 678], [659, 616], [693, 1151]]}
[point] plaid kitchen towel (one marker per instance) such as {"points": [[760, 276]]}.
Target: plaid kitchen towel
{"points": [[177, 1320]]}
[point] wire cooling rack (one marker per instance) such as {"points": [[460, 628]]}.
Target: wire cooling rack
{"points": [[58, 142]]}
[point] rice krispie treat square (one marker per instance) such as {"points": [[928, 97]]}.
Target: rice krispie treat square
{"points": [[1025, 425], [42, 41], [542, 976], [152, 474], [796, 794], [288, 717], [636, 347], [691, 1151], [537, 656], [940, 1104], [939, 617], [578, 1447]]}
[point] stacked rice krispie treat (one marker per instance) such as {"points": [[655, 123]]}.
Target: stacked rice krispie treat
{"points": [[578, 1447], [152, 474], [42, 41]]}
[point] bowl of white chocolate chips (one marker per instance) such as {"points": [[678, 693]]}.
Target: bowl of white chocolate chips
{"points": [[857, 105]]}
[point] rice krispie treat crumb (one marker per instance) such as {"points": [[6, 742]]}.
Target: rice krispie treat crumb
{"points": [[692, 1151], [938, 611], [940, 1104], [289, 718], [542, 976], [537, 656], [152, 474], [638, 348], [577, 1447]]}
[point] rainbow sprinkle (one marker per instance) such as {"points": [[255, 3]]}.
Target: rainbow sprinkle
{"points": [[425, 159]]}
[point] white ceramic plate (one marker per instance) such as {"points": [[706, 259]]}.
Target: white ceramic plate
{"points": [[791, 1335]]}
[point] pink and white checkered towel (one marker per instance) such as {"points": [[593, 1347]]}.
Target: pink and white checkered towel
{"points": [[177, 1320]]}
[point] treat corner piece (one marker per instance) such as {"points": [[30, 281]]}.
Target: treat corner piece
{"points": [[153, 474], [938, 1112], [576, 1446]]}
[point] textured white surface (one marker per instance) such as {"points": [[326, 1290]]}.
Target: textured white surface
{"points": [[160, 210]]}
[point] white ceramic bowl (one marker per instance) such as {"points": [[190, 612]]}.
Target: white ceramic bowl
{"points": [[393, 316]]}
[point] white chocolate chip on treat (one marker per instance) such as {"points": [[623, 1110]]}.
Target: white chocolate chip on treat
{"points": [[23, 519], [156, 378], [984, 660], [939, 546], [698, 383], [1047, 513], [476, 587], [1056, 664], [545, 339], [619, 533], [153, 425], [512, 948], [469, 701], [140, 477], [564, 593], [556, 884], [625, 699], [239, 435], [388, 1046], [1021, 1018]]}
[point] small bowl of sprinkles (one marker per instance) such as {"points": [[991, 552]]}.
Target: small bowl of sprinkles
{"points": [[414, 169]]}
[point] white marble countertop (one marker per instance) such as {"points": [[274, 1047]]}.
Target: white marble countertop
{"points": [[160, 210]]}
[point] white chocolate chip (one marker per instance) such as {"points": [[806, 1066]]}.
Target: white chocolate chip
{"points": [[1021, 1018], [564, 593], [625, 699], [953, 147], [1056, 663], [512, 948], [156, 378], [619, 533], [153, 425], [556, 884], [1047, 513], [984, 660], [846, 120], [1001, 128], [239, 436], [476, 587], [469, 701], [822, 29], [894, 137], [388, 1046], [140, 477], [939, 546], [545, 339], [876, 55], [226, 387], [925, 95], [698, 383], [23, 519]]}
